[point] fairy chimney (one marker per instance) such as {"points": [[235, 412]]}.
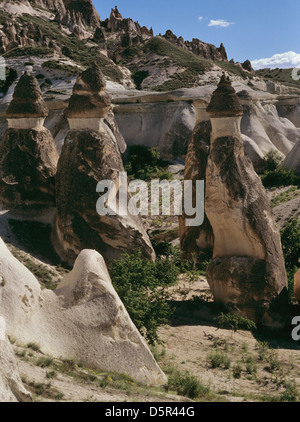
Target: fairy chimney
{"points": [[91, 155], [247, 273], [28, 156]]}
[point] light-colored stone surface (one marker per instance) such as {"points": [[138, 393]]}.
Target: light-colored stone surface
{"points": [[83, 319], [292, 160], [11, 387]]}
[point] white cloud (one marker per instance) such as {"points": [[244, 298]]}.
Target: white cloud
{"points": [[222, 23], [284, 61], [200, 18]]}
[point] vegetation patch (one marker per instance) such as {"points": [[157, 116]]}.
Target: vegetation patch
{"points": [[235, 322], [283, 76], [141, 285], [57, 65], [145, 163], [286, 196]]}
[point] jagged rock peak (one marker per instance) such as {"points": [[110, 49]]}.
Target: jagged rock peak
{"points": [[89, 98], [116, 14], [27, 99], [224, 101]]}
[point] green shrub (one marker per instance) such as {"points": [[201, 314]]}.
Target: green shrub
{"points": [[187, 385], [263, 349], [290, 239], [280, 177], [140, 285], [237, 371], [219, 360], [235, 322], [273, 159], [145, 163]]}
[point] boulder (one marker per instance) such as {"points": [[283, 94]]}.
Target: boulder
{"points": [[83, 319]]}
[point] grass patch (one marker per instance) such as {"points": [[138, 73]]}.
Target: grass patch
{"points": [[57, 65], [218, 360], [29, 51], [187, 385], [283, 76], [291, 193], [46, 277], [235, 70]]}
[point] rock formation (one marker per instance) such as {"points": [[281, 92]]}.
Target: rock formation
{"points": [[197, 239], [11, 387], [28, 156], [247, 272], [200, 48], [297, 285], [90, 155], [262, 123], [83, 319], [292, 160]]}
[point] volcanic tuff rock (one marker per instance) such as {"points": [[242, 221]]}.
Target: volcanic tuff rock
{"points": [[83, 319], [28, 156], [195, 239], [11, 387], [247, 272], [292, 160], [91, 155]]}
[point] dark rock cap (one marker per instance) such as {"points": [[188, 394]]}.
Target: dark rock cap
{"points": [[224, 101], [89, 98], [27, 99]]}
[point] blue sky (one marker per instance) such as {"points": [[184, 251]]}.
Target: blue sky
{"points": [[253, 29]]}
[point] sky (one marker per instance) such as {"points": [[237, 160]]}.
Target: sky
{"points": [[267, 32]]}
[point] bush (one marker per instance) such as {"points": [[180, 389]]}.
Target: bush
{"points": [[187, 385], [280, 177], [273, 159], [219, 360], [237, 371], [290, 239], [235, 322], [140, 285], [145, 163]]}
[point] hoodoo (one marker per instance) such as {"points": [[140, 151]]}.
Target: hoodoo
{"points": [[28, 156], [91, 155], [247, 272]]}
